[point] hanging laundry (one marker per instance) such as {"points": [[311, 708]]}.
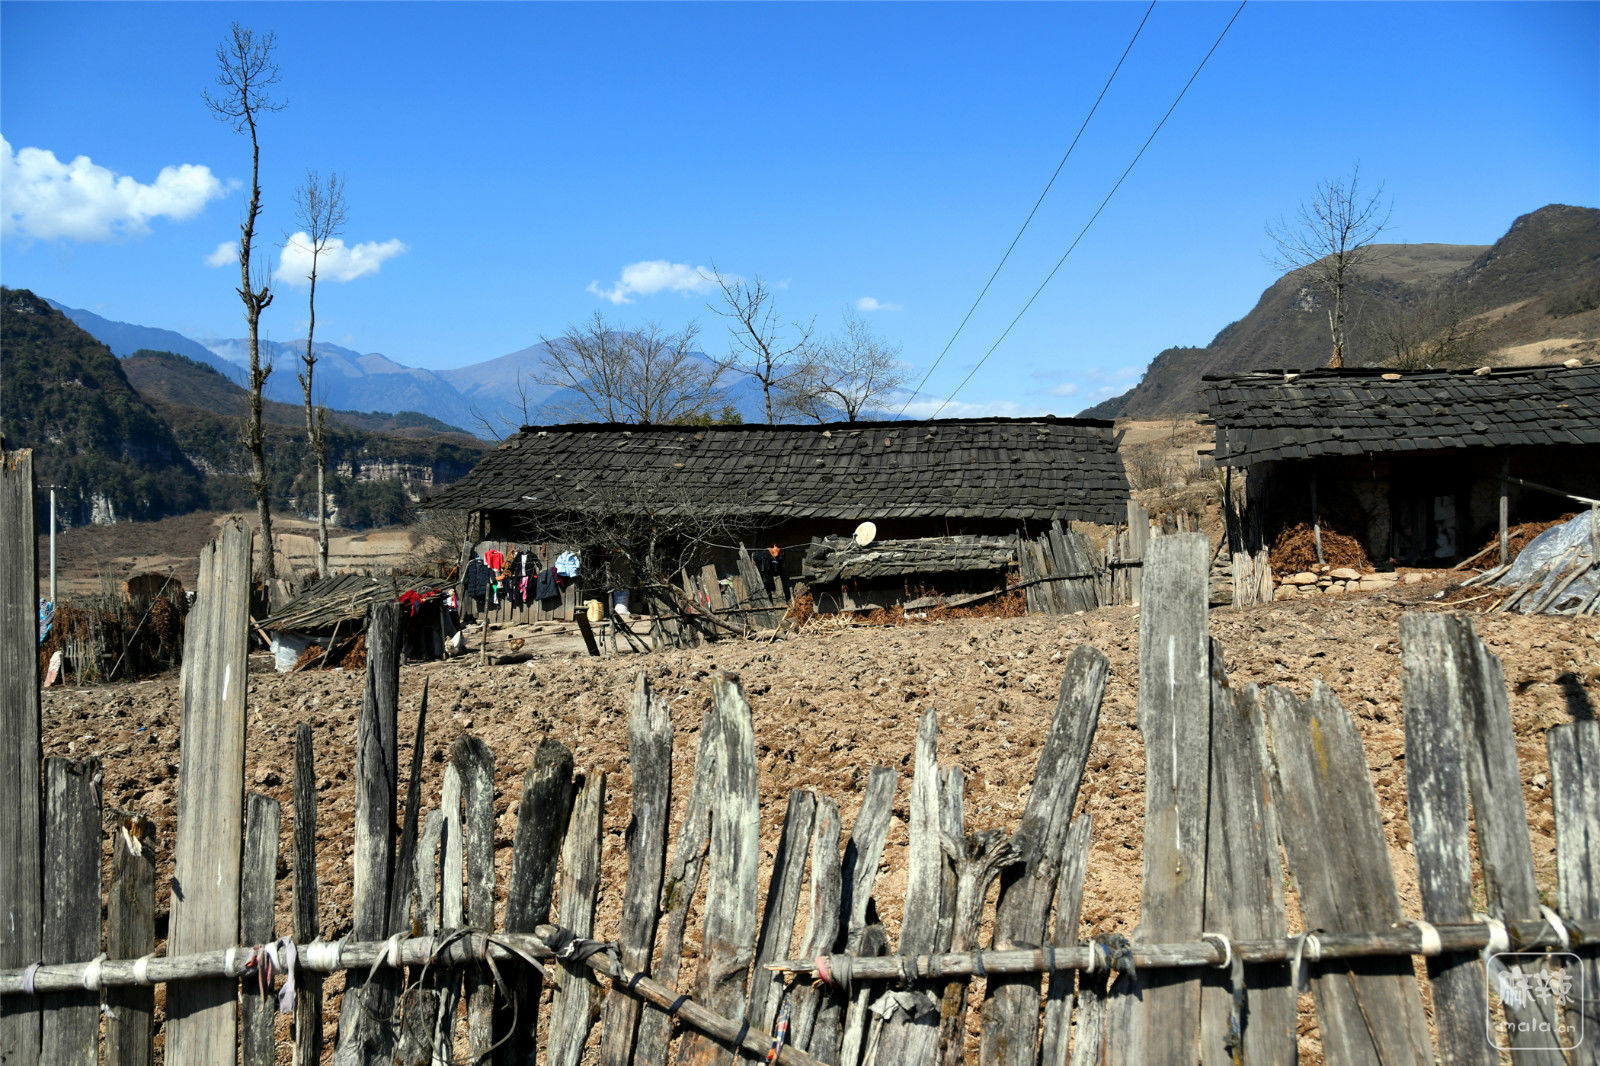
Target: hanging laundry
{"points": [[494, 559], [567, 564]]}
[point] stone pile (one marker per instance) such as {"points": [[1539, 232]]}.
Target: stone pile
{"points": [[1320, 580]]}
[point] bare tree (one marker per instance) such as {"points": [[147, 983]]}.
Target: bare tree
{"points": [[1432, 329], [849, 374], [778, 357], [1329, 240], [647, 376], [320, 212], [246, 73]]}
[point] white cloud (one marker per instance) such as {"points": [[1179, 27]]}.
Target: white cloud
{"points": [[651, 276], [867, 303], [1066, 388], [225, 253], [925, 407], [336, 262], [81, 201]]}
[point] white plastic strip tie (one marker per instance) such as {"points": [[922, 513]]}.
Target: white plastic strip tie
{"points": [[141, 969], [1431, 945], [391, 953], [91, 973], [27, 978], [228, 961], [1225, 944], [1499, 939], [1557, 926], [322, 956]]}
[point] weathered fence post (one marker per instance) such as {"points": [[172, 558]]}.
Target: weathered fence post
{"points": [[475, 762], [258, 884], [71, 1029], [1368, 1010], [650, 761], [570, 1016], [307, 923], [1175, 724], [131, 934], [730, 916], [21, 815], [783, 902], [361, 1036], [1011, 1008], [817, 1009], [202, 1026], [1574, 770], [1069, 908], [542, 816]]}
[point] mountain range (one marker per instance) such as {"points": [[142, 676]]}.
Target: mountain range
{"points": [[1531, 297]]}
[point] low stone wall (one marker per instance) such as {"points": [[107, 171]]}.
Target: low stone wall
{"points": [[1328, 579]]}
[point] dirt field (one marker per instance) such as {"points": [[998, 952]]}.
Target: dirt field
{"points": [[829, 704]]}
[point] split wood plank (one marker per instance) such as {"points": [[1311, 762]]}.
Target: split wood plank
{"points": [[857, 1016], [21, 812], [131, 934], [783, 903], [542, 817], [202, 1019], [683, 877], [419, 1008], [650, 762], [1368, 1010], [1011, 1006], [1574, 770], [817, 1009], [1069, 909], [475, 762], [1175, 724], [307, 923], [70, 1032], [1477, 696], [1244, 885], [729, 931], [570, 1015], [362, 1036], [911, 1016], [258, 884], [1436, 804]]}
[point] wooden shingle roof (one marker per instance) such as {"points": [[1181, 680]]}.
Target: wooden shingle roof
{"points": [[1039, 468], [1302, 414]]}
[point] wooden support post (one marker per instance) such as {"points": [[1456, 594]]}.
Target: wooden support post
{"points": [[1069, 908], [258, 879], [1574, 750], [782, 903], [403, 883], [307, 924], [650, 760], [816, 1008], [1505, 510], [21, 815], [1316, 518], [131, 934], [452, 914], [71, 1028], [202, 1018], [542, 815]]}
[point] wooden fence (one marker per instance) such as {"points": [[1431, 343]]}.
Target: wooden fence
{"points": [[1210, 975]]}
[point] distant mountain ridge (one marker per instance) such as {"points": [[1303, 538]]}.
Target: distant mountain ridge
{"points": [[1532, 296]]}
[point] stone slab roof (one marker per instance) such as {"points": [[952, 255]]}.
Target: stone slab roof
{"points": [[1279, 414], [1040, 468]]}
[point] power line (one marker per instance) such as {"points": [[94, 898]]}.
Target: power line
{"points": [[1033, 212], [1097, 210]]}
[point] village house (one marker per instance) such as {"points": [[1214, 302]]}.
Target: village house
{"points": [[1421, 467], [963, 482]]}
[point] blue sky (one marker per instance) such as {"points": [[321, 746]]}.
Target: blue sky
{"points": [[507, 163]]}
